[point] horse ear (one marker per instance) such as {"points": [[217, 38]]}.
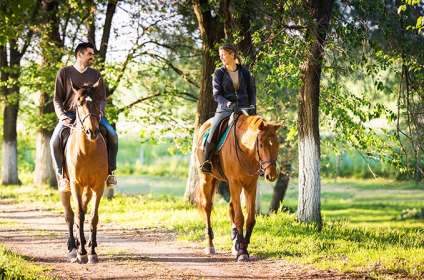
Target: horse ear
{"points": [[72, 86], [96, 84], [261, 126]]}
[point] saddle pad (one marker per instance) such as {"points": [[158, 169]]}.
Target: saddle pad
{"points": [[221, 140]]}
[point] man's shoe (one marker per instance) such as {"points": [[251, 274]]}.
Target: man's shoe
{"points": [[206, 166], [111, 180]]}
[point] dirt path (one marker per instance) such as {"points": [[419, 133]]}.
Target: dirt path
{"points": [[133, 254]]}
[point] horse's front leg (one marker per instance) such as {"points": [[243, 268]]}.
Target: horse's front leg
{"points": [[250, 195], [80, 217], [235, 205], [92, 257], [65, 197]]}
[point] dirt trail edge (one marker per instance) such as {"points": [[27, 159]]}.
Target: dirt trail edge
{"points": [[40, 235]]}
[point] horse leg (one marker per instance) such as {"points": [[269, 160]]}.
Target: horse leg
{"points": [[92, 257], [207, 187], [77, 195], [65, 197], [250, 195], [240, 244], [86, 197], [233, 229]]}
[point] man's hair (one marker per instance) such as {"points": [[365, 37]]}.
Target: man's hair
{"points": [[82, 47]]}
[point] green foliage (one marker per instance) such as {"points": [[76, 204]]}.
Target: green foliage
{"points": [[15, 267]]}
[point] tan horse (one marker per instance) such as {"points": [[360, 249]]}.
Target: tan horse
{"points": [[87, 170], [251, 148]]}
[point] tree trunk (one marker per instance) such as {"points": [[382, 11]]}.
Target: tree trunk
{"points": [[309, 203], [280, 188], [10, 117], [211, 31], [44, 172], [51, 44]]}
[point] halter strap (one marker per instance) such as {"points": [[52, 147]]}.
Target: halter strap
{"points": [[262, 164]]}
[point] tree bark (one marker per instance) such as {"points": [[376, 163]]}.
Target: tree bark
{"points": [[10, 116], [211, 31], [51, 44], [309, 204], [110, 11]]}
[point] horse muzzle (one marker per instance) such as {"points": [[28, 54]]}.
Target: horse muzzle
{"points": [[269, 169], [271, 173]]}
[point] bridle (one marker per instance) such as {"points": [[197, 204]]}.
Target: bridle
{"points": [[82, 120], [263, 164]]}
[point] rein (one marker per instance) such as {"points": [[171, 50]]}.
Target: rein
{"points": [[81, 121], [263, 164]]}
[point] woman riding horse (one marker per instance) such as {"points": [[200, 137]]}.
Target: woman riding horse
{"points": [[250, 149], [232, 86]]}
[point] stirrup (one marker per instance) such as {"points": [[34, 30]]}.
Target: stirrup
{"points": [[206, 166]]}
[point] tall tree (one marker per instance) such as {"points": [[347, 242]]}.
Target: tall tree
{"points": [[16, 22], [51, 45], [309, 203], [211, 30]]}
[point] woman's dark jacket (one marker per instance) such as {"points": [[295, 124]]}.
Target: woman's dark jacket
{"points": [[223, 89]]}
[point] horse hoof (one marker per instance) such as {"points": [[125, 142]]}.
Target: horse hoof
{"points": [[72, 255], [210, 251], [243, 258], [82, 258], [92, 259]]}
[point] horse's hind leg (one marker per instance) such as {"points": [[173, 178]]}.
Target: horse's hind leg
{"points": [[92, 257], [77, 195], [207, 187], [65, 197]]}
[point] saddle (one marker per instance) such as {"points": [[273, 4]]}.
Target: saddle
{"points": [[220, 135]]}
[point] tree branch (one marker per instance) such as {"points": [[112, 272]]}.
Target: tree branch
{"points": [[110, 11], [132, 104], [176, 69]]}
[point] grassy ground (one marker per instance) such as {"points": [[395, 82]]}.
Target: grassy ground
{"points": [[363, 231], [14, 267]]}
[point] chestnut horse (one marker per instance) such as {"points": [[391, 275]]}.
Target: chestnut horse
{"points": [[250, 149], [87, 169]]}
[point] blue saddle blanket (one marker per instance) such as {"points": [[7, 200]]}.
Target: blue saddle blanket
{"points": [[221, 140]]}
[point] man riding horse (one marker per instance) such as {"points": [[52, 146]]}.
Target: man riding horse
{"points": [[79, 75]]}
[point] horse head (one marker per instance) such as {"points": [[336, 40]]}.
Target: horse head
{"points": [[87, 113], [267, 142]]}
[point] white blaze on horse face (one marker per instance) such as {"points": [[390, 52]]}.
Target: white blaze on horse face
{"points": [[88, 98]]}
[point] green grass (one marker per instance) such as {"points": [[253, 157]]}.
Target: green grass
{"points": [[15, 267], [362, 229]]}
